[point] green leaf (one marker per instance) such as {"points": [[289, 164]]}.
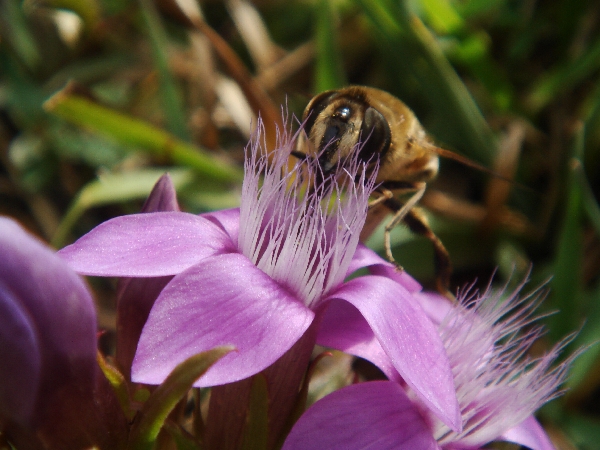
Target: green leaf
{"points": [[564, 78], [166, 396], [329, 73], [18, 33], [584, 431], [442, 15], [119, 385], [170, 94], [566, 283], [182, 439], [584, 370], [134, 132]]}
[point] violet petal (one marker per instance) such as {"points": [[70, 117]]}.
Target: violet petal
{"points": [[224, 300], [228, 220], [21, 359], [365, 257], [374, 415], [344, 328], [59, 309], [163, 196], [146, 245], [409, 338], [530, 434], [436, 306]]}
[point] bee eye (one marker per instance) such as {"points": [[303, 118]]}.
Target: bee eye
{"points": [[376, 135], [343, 113]]}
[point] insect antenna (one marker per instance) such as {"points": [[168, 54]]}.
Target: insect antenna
{"points": [[448, 154]]}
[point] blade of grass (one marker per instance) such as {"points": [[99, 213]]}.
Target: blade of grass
{"points": [[564, 78], [134, 132], [329, 73], [169, 91], [18, 34], [566, 282]]}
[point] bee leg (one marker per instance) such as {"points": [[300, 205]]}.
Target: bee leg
{"points": [[400, 211], [443, 266], [386, 194]]}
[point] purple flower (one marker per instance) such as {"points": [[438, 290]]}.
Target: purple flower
{"points": [[497, 386], [257, 277], [47, 325], [51, 391]]}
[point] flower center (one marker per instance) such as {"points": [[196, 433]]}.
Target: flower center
{"points": [[298, 226]]}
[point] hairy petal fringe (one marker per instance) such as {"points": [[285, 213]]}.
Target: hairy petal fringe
{"points": [[498, 385]]}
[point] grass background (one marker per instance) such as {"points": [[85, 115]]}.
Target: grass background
{"points": [[98, 98]]}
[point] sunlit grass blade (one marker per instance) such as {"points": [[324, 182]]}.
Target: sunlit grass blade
{"points": [[138, 134], [329, 73]]}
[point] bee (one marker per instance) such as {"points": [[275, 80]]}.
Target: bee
{"points": [[393, 140]]}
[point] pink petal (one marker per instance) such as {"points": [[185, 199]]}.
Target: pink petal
{"points": [[228, 220], [47, 312], [410, 339], [530, 434], [344, 328], [365, 257], [376, 415], [224, 300], [436, 306], [21, 360], [146, 245], [163, 196]]}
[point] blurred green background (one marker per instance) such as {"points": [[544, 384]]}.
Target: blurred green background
{"points": [[98, 98]]}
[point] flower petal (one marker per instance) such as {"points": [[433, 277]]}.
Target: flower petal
{"points": [[375, 415], [436, 306], [224, 300], [228, 220], [344, 328], [21, 359], [60, 312], [146, 245], [365, 257], [530, 434], [409, 338], [163, 196]]}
